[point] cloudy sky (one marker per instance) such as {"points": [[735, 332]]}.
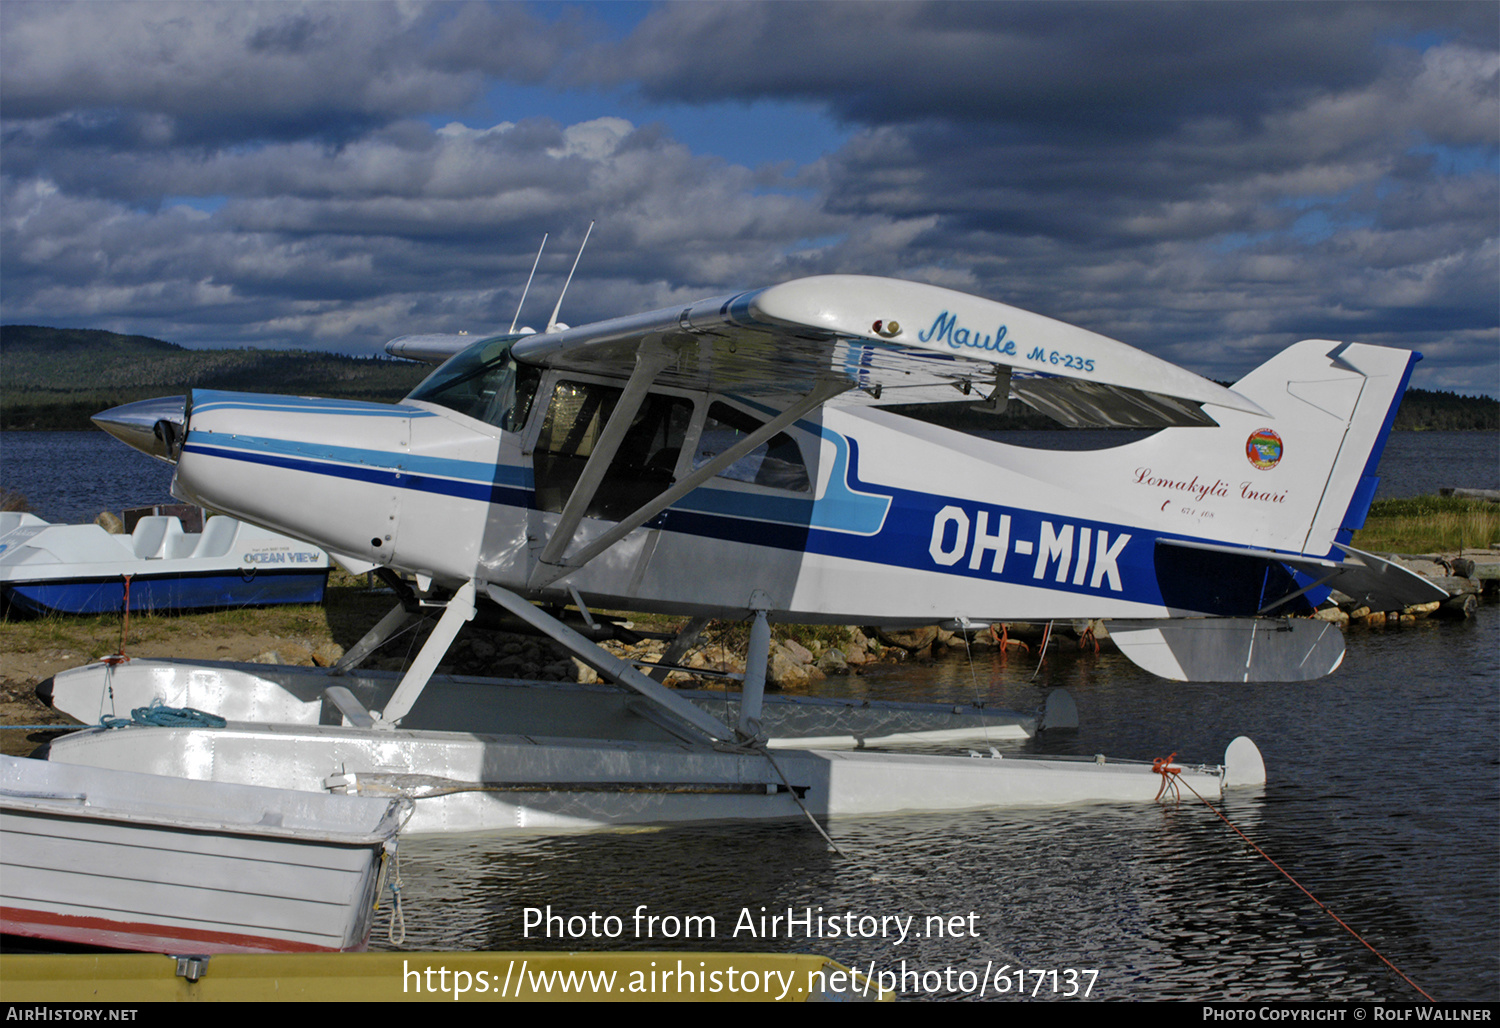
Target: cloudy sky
{"points": [[1207, 181]]}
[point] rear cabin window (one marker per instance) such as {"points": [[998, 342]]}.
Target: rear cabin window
{"points": [[776, 463]]}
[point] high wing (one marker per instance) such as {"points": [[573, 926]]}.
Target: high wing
{"points": [[897, 342]]}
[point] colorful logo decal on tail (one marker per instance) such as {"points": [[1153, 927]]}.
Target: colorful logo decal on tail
{"points": [[1263, 449]]}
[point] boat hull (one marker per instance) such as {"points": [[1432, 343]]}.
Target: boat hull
{"points": [[82, 569], [422, 977], [172, 592], [133, 861]]}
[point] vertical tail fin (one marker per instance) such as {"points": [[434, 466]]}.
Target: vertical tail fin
{"points": [[1267, 500], [1298, 478], [1332, 407]]}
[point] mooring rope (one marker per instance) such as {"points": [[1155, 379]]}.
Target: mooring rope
{"points": [[963, 630], [1161, 767], [1041, 656], [125, 622], [396, 930], [1170, 776], [765, 751], [1088, 637], [159, 716]]}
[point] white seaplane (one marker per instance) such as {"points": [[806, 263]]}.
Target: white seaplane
{"points": [[730, 458]]}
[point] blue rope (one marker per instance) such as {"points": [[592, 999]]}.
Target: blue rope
{"points": [[158, 716]]}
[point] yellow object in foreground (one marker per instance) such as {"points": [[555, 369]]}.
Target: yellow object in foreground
{"points": [[419, 976]]}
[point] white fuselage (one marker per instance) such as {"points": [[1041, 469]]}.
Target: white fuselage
{"points": [[892, 520]]}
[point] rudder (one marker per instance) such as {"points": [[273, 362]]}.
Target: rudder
{"points": [[1337, 402]]}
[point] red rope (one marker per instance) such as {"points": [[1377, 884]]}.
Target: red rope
{"points": [[1321, 905], [1003, 640], [1088, 637], [125, 625], [1170, 775]]}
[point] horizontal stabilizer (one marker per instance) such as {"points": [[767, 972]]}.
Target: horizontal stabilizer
{"points": [[1231, 649], [1380, 583], [1383, 584]]}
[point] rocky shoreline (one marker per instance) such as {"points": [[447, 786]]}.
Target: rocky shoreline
{"points": [[794, 664], [801, 656]]}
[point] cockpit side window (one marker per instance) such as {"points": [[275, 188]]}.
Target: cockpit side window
{"points": [[484, 382], [641, 468], [776, 463]]}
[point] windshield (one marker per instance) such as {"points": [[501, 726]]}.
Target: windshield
{"points": [[483, 382]]}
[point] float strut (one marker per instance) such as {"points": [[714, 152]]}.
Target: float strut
{"points": [[755, 670], [372, 640], [685, 641], [460, 610]]}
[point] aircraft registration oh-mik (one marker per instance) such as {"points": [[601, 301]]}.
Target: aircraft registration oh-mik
{"points": [[730, 458]]}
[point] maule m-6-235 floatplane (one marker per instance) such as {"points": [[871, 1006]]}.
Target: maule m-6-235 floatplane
{"points": [[730, 458]]}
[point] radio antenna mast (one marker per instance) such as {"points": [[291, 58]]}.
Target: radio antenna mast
{"points": [[528, 283], [552, 324]]}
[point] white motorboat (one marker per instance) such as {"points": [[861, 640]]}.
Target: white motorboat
{"points": [[140, 862], [83, 569]]}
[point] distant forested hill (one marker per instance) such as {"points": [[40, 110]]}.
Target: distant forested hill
{"points": [[56, 378], [1424, 409]]}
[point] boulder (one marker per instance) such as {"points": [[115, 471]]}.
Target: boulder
{"points": [[912, 640], [833, 663], [801, 654], [327, 654]]}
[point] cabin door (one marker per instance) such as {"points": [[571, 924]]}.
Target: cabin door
{"points": [[642, 468]]}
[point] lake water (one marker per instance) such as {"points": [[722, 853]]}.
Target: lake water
{"points": [[1383, 799], [69, 477]]}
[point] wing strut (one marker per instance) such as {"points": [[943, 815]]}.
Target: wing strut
{"points": [[608, 664], [550, 567], [528, 282]]}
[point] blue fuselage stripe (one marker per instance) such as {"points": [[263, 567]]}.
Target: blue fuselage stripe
{"points": [[493, 492], [903, 539]]}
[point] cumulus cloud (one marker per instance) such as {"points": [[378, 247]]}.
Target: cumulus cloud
{"points": [[196, 73], [1208, 181]]}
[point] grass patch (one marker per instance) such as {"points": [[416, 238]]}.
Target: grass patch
{"points": [[95, 636], [348, 611], [1429, 524]]}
